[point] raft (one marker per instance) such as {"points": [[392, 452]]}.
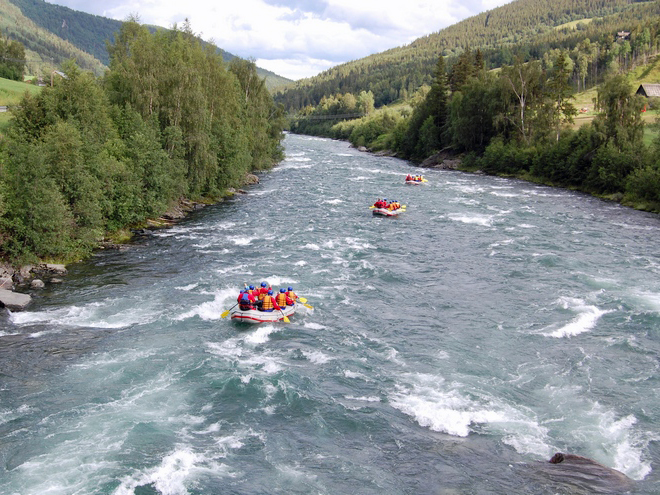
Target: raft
{"points": [[255, 316], [416, 182], [384, 212]]}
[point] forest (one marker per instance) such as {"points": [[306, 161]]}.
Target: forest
{"points": [[92, 156], [518, 120], [522, 28]]}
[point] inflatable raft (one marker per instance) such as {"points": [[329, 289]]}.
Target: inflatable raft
{"points": [[416, 182], [384, 212], [255, 316]]}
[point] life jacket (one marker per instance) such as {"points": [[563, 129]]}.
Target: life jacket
{"points": [[292, 295], [244, 303], [267, 303], [263, 292], [281, 299]]}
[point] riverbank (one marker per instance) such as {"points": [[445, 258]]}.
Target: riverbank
{"points": [[18, 281]]}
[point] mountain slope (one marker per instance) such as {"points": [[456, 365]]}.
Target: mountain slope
{"points": [[44, 51], [53, 33], [523, 24]]}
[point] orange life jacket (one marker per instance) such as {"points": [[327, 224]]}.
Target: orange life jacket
{"points": [[292, 295], [281, 299], [268, 303]]}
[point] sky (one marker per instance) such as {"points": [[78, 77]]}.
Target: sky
{"points": [[296, 38]]}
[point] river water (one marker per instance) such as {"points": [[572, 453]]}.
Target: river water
{"points": [[450, 350]]}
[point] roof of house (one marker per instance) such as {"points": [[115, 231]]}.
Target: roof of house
{"points": [[649, 89]]}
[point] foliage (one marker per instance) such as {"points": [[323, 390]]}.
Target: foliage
{"points": [[45, 51], [526, 28], [12, 59], [90, 155]]}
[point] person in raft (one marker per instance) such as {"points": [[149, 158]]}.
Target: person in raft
{"points": [[291, 295], [380, 203], [269, 303], [263, 291], [282, 299], [409, 177], [246, 302]]}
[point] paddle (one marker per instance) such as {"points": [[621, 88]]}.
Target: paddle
{"points": [[304, 301], [225, 313], [285, 318]]}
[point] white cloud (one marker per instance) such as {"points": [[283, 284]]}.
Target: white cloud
{"points": [[298, 38]]}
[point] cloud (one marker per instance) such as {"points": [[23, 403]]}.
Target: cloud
{"points": [[298, 38]]}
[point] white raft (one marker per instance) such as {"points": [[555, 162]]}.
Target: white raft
{"points": [[416, 182], [255, 316], [387, 213]]}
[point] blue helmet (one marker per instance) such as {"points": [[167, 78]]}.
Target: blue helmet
{"points": [[270, 292], [290, 288], [282, 289], [252, 287], [264, 284]]}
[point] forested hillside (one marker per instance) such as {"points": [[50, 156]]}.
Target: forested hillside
{"points": [[44, 51], [527, 27], [52, 34]]}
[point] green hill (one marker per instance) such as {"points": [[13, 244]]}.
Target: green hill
{"points": [[52, 34], [527, 27]]}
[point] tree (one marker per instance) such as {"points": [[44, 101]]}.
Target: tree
{"points": [[558, 91], [620, 117], [12, 59], [522, 90]]}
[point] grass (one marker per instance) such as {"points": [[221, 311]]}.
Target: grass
{"points": [[11, 92], [648, 73]]}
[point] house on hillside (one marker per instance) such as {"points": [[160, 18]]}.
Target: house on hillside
{"points": [[622, 35], [649, 90]]}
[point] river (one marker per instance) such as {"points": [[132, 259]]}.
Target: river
{"points": [[451, 350]]}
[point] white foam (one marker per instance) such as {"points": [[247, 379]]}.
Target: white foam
{"points": [[173, 474], [314, 326], [260, 335], [317, 357], [110, 313], [188, 287], [483, 220], [242, 241], [588, 316], [443, 407], [212, 310]]}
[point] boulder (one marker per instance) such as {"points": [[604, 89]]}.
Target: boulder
{"points": [[47, 270], [6, 283], [37, 284], [14, 301], [442, 160], [251, 179]]}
